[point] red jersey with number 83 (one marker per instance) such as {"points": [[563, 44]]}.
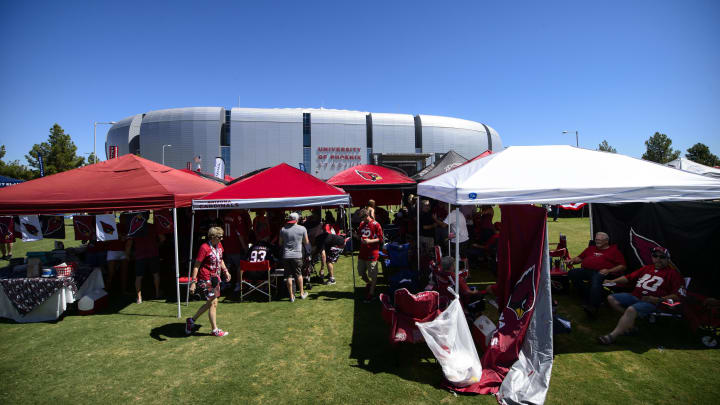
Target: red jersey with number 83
{"points": [[370, 230]]}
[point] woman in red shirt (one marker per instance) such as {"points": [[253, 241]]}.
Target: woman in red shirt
{"points": [[206, 277]]}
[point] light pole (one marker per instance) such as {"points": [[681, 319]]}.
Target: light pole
{"points": [[164, 146], [577, 143], [95, 124]]}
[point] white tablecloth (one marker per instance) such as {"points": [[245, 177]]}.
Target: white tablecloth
{"points": [[54, 306]]}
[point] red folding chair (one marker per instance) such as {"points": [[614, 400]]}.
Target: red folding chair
{"points": [[408, 309], [255, 283]]}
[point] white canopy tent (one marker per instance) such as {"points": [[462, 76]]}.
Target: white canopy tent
{"points": [[693, 167], [559, 175]]}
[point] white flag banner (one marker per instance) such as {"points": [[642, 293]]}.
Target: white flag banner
{"points": [[219, 168], [30, 228], [105, 227]]}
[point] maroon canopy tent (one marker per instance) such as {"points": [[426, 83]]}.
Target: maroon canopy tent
{"points": [[365, 182], [123, 184]]}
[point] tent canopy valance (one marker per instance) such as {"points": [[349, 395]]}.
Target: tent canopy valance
{"points": [[559, 174], [365, 182], [126, 183], [282, 186]]}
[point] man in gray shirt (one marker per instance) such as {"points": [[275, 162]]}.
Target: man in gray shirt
{"points": [[293, 238]]}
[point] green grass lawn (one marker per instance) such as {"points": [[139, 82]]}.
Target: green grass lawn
{"points": [[329, 348]]}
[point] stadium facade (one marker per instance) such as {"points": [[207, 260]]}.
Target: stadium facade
{"points": [[325, 141]]}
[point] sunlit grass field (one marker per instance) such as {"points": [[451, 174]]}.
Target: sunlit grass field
{"points": [[330, 348]]}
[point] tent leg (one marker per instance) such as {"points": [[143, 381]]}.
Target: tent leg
{"points": [[449, 243], [457, 252], [177, 263], [592, 235], [352, 248], [190, 262], [417, 226]]}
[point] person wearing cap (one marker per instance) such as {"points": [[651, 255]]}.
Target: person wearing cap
{"points": [[596, 264], [371, 237], [293, 238], [654, 283]]}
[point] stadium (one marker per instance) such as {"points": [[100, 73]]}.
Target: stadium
{"points": [[321, 141]]}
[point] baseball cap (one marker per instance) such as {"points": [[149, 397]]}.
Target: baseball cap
{"points": [[661, 250], [293, 218]]}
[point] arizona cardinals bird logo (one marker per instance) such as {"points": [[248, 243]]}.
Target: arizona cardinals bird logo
{"points": [[53, 225], [136, 224], [82, 229], [107, 228], [642, 246], [31, 229], [163, 221], [370, 176], [522, 299]]}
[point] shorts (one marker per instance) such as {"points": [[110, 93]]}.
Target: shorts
{"points": [[293, 267], [113, 255], [368, 268], [333, 254], [628, 300], [96, 259], [208, 289], [149, 264]]}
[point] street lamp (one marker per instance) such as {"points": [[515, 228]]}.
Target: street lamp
{"points": [[164, 146], [577, 143], [95, 124]]}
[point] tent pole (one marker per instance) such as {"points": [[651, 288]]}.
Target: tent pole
{"points": [[592, 235], [190, 263], [352, 248], [177, 262], [417, 226], [457, 252], [449, 246]]}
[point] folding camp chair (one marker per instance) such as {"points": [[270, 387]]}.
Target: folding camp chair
{"points": [[669, 310], [408, 309], [255, 284]]}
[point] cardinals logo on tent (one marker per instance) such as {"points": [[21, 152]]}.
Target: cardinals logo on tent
{"points": [[107, 228], [642, 247], [52, 225], [369, 176], [164, 222], [83, 227], [522, 299], [136, 225], [32, 230]]}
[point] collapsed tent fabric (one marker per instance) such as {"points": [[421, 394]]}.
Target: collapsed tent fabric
{"points": [[125, 183], [560, 174], [693, 167], [448, 162], [365, 182], [278, 187], [209, 176]]}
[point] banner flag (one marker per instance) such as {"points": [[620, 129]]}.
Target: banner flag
{"points": [[690, 230], [522, 298], [7, 230], [219, 168], [573, 207], [84, 226], [53, 226], [41, 165], [135, 223], [30, 228], [105, 227], [163, 220]]}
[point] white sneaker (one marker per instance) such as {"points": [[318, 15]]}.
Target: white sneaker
{"points": [[304, 295]]}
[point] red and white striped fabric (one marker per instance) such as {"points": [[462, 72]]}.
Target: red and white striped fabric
{"points": [[574, 207]]}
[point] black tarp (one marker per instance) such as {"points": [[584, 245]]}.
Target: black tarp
{"points": [[448, 162], [690, 230]]}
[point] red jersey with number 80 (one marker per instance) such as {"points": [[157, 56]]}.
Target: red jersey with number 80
{"points": [[650, 282], [370, 230]]}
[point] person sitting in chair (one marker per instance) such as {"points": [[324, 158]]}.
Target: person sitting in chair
{"points": [[654, 284], [596, 263]]}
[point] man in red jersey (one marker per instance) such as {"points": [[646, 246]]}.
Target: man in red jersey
{"points": [[597, 263], [654, 284], [371, 237]]}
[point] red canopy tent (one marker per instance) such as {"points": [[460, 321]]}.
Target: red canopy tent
{"points": [[379, 183], [282, 186], [126, 183]]}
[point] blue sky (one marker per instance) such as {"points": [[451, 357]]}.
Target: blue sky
{"points": [[614, 70]]}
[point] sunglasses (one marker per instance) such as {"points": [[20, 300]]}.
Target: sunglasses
{"points": [[218, 237], [657, 256]]}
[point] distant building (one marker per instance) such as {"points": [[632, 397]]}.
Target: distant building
{"points": [[324, 141]]}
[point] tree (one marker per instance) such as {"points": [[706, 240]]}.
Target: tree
{"points": [[605, 147], [91, 159], [58, 153], [14, 169], [700, 153], [659, 149]]}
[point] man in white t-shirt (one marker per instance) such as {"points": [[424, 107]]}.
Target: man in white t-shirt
{"points": [[457, 230]]}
